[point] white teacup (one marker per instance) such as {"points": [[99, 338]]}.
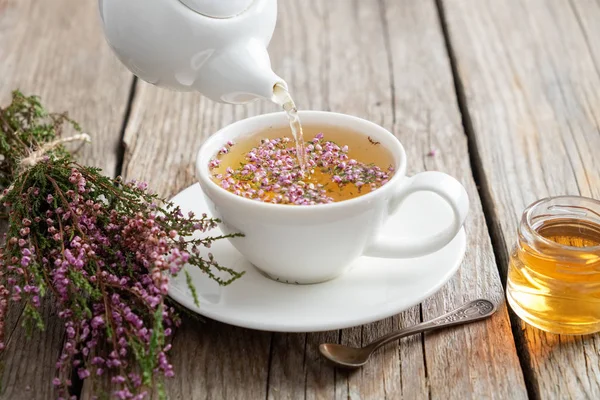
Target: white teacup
{"points": [[311, 244]]}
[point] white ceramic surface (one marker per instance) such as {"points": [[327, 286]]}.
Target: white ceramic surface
{"points": [[374, 288], [331, 236], [219, 8], [181, 47]]}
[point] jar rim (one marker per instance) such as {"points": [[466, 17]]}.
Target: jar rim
{"points": [[527, 222]]}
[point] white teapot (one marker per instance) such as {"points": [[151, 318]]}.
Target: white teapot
{"points": [[216, 47]]}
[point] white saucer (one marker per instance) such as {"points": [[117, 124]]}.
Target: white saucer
{"points": [[374, 289]]}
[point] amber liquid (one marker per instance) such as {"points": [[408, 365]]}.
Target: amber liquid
{"points": [[360, 147], [283, 98], [556, 288]]}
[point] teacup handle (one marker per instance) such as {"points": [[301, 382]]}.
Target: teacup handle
{"points": [[406, 247]]}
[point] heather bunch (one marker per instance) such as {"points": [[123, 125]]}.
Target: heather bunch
{"points": [[101, 249]]}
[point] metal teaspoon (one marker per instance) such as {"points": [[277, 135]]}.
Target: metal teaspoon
{"points": [[353, 357]]}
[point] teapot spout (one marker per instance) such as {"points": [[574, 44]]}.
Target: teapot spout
{"points": [[239, 74]]}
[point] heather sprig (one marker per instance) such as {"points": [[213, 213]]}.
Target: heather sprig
{"points": [[101, 249]]}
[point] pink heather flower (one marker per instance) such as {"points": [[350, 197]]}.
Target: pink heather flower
{"points": [[123, 394], [142, 185], [83, 373], [97, 361], [97, 322], [137, 380]]}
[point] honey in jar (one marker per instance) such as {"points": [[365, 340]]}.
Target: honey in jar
{"points": [[553, 278]]}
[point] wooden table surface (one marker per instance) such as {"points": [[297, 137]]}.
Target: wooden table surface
{"points": [[508, 91]]}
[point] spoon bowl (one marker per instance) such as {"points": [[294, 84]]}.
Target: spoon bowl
{"points": [[345, 356]]}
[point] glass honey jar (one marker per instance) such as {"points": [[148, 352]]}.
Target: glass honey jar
{"points": [[553, 278]]}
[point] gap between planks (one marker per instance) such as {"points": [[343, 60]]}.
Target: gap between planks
{"points": [[121, 147], [494, 230]]}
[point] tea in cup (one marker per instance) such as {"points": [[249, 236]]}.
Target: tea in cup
{"points": [[309, 226]]}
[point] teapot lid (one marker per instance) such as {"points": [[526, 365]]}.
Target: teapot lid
{"points": [[218, 8]]}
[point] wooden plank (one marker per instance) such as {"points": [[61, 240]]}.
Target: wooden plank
{"points": [[340, 65], [366, 59], [56, 50], [476, 361], [529, 71], [388, 60]]}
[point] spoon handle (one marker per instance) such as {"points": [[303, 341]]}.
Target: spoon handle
{"points": [[472, 311]]}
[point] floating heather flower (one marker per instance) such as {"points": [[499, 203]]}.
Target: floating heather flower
{"points": [[271, 173]]}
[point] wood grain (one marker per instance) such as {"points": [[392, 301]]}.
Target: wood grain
{"points": [[529, 76], [56, 50], [385, 61], [476, 361]]}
